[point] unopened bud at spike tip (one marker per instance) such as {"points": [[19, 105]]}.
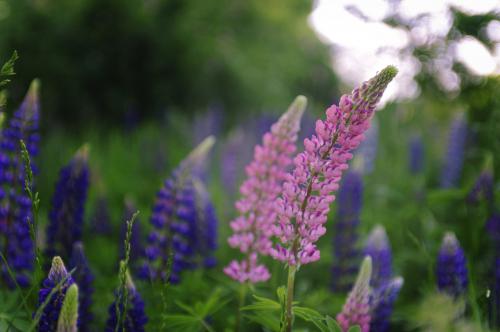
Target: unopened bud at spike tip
{"points": [[68, 317], [57, 271]]}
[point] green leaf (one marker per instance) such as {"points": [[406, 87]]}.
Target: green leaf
{"points": [[185, 322], [262, 304], [332, 325], [265, 319], [310, 315], [8, 69], [354, 329]]}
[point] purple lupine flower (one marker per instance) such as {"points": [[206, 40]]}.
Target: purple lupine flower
{"points": [[58, 276], [308, 190], [382, 304], [367, 150], [15, 205], [379, 249], [451, 267], [385, 289], [493, 229], [135, 319], [207, 225], [346, 252], [68, 202], [253, 228], [136, 241], [483, 188], [356, 310], [174, 221], [84, 277], [452, 168], [100, 222], [416, 157]]}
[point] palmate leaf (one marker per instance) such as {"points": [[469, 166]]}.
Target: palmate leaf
{"points": [[187, 322], [265, 319], [354, 329], [332, 325], [262, 304]]}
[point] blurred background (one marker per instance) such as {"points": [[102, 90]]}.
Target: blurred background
{"points": [[143, 81]]}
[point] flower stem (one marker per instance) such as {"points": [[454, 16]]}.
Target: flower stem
{"points": [[289, 298], [241, 302]]}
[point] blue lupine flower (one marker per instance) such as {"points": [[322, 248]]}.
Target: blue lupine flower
{"points": [[346, 251], [135, 318], [482, 188], [451, 267], [58, 276], [15, 205], [452, 169], [416, 157], [136, 242], [383, 304], [84, 277], [378, 248], [206, 225], [66, 216], [385, 287], [367, 151], [175, 222], [100, 223]]}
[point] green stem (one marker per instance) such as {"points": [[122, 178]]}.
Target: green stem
{"points": [[289, 298], [241, 302]]}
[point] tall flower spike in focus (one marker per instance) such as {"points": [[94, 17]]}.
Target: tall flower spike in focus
{"points": [[206, 226], [451, 267], [356, 310], [15, 205], [308, 190], [253, 228], [68, 317], [452, 168], [346, 251], [174, 220], [58, 279], [134, 319], [84, 277], [68, 202]]}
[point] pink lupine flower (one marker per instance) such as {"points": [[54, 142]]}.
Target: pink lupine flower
{"points": [[253, 228], [308, 190], [356, 310]]}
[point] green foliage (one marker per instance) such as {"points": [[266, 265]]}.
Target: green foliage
{"points": [[6, 71], [106, 60], [195, 317]]}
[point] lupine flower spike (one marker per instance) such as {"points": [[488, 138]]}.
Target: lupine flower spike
{"points": [[382, 303], [68, 317], [346, 250], [60, 280], [378, 248], [84, 277], [356, 310], [68, 203], [15, 205], [100, 222], [253, 228], [416, 155], [174, 221], [308, 191], [452, 168], [134, 319], [451, 267], [206, 226], [385, 290]]}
